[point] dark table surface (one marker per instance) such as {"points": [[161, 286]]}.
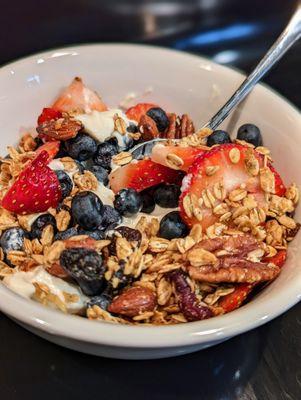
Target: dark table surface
{"points": [[263, 364]]}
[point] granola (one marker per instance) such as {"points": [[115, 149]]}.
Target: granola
{"points": [[85, 229]]}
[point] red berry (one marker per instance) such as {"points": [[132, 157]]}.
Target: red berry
{"points": [[141, 175], [35, 190], [135, 113], [216, 166], [48, 114], [52, 149]]}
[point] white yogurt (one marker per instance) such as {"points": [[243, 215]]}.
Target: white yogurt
{"points": [[56, 165], [105, 194], [22, 283], [100, 125]]}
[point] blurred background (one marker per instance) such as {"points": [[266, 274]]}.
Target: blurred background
{"points": [[231, 32]]}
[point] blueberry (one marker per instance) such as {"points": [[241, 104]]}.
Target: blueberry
{"points": [[104, 153], [100, 173], [128, 202], [171, 226], [147, 201], [12, 239], [167, 196], [68, 233], [40, 223], [84, 266], [250, 133], [97, 234], [81, 147], [132, 128], [110, 217], [218, 137], [160, 117], [65, 183], [86, 208], [103, 301]]}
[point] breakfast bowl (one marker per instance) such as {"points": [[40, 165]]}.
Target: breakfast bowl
{"points": [[179, 82]]}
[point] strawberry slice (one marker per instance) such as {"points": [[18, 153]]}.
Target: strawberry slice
{"points": [[35, 190], [48, 114], [175, 157], [278, 259], [229, 165], [78, 98], [235, 299], [52, 149], [141, 175], [135, 113]]}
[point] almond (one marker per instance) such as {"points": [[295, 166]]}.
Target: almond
{"points": [[133, 301], [60, 129]]}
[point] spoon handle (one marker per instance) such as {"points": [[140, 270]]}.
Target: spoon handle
{"points": [[287, 38]]}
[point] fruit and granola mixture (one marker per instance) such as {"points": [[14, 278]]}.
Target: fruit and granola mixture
{"points": [[185, 233]]}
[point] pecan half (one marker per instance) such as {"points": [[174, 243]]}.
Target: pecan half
{"points": [[148, 128], [60, 129], [232, 263], [179, 127], [133, 301], [234, 245], [233, 269]]}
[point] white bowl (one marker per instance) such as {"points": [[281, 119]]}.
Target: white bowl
{"points": [[183, 83]]}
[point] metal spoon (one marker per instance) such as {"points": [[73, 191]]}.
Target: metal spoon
{"points": [[288, 37]]}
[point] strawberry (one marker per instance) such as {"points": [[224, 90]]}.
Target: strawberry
{"points": [[141, 175], [217, 166], [78, 98], [52, 149], [35, 190], [135, 113], [278, 259], [235, 299], [48, 114], [164, 155]]}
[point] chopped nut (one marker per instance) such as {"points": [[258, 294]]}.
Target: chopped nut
{"points": [[188, 206], [267, 180], [221, 209], [237, 194], [198, 257], [234, 155], [287, 222], [196, 233], [85, 181], [122, 158], [251, 163], [63, 219], [164, 291], [158, 245], [119, 124], [174, 161], [211, 170]]}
